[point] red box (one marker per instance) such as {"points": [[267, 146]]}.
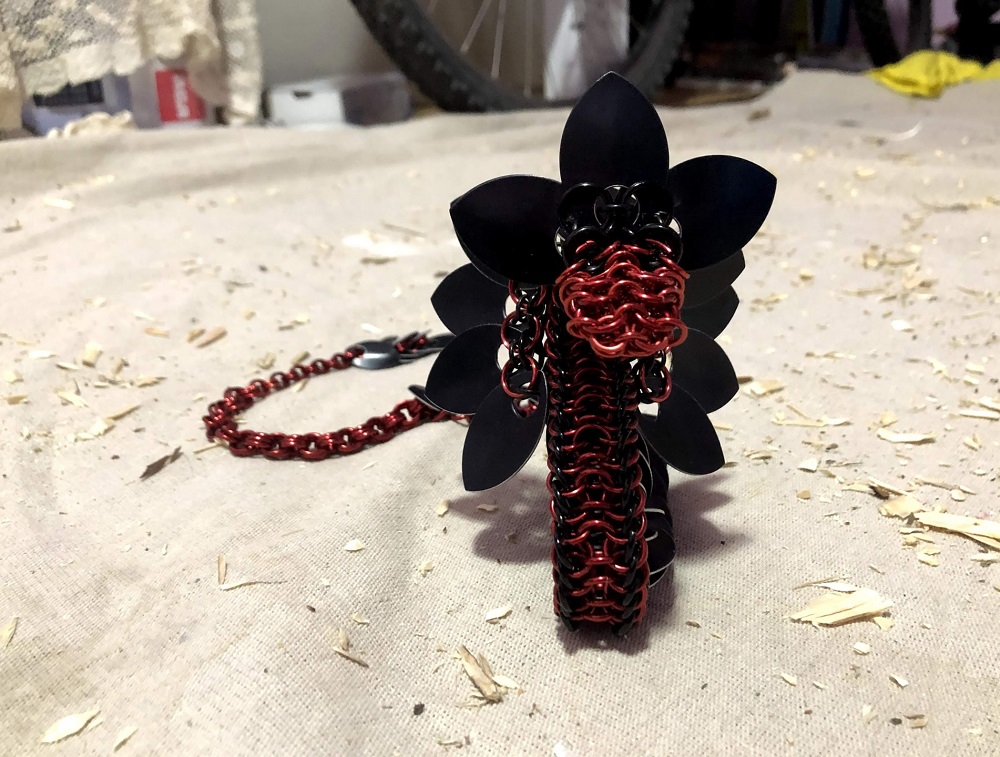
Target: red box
{"points": [[178, 102]]}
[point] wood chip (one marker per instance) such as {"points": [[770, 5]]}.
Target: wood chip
{"points": [[211, 337], [143, 381], [41, 354], [69, 366], [899, 680], [479, 676], [354, 545], [16, 399], [12, 377], [157, 331], [975, 368], [790, 679], [986, 558], [820, 686], [425, 567], [487, 508], [897, 437], [343, 648], [498, 613], [194, 334], [221, 567], [883, 490], [157, 465], [868, 714], [917, 721], [123, 735], [91, 354], [69, 726], [928, 559], [12, 227], [810, 464], [887, 419], [505, 682], [901, 325], [842, 586], [804, 494], [882, 622], [763, 387], [442, 508], [862, 648], [360, 619], [7, 632], [837, 609], [902, 506], [692, 623], [267, 362]]}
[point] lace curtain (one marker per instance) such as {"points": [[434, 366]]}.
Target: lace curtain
{"points": [[47, 44]]}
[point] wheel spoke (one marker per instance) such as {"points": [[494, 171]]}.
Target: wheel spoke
{"points": [[498, 38], [480, 17]]}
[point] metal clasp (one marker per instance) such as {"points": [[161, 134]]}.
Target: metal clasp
{"points": [[390, 351]]}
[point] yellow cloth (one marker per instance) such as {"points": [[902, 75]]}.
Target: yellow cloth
{"points": [[927, 73]]}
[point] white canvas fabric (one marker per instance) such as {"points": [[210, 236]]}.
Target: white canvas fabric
{"points": [[295, 241]]}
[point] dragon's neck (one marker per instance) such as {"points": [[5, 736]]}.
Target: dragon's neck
{"points": [[595, 481]]}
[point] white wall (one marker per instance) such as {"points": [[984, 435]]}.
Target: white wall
{"points": [[307, 39]]}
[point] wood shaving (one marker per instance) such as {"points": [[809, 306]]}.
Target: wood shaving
{"points": [[837, 609], [819, 582], [862, 648], [986, 415], [354, 545], [425, 567], [789, 679], [763, 387], [157, 465], [16, 399], [900, 325], [478, 672], [868, 714], [249, 582], [863, 172], [958, 495], [123, 735], [720, 426], [917, 721], [989, 403], [902, 506], [98, 428], [498, 613], [487, 508], [119, 414], [975, 368], [69, 726], [887, 419], [883, 490], [805, 494], [69, 366], [143, 381], [343, 648], [70, 398], [211, 337], [960, 524], [899, 680], [267, 362], [442, 508], [897, 437], [58, 202], [841, 586], [157, 331], [820, 686], [928, 559], [143, 316], [360, 619], [12, 227], [983, 558], [194, 334], [41, 354], [806, 275], [221, 567], [884, 623], [692, 623], [7, 631], [12, 377], [809, 464]]}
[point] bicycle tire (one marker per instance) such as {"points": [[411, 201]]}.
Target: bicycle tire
{"points": [[441, 73], [876, 31]]}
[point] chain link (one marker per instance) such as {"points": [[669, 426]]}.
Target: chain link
{"points": [[221, 421], [521, 333]]}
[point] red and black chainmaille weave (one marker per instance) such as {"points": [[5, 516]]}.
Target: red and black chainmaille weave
{"points": [[600, 335]]}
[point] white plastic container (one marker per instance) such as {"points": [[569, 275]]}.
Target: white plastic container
{"points": [[357, 99]]}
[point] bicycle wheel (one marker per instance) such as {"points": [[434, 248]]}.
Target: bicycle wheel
{"points": [[438, 52]]}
